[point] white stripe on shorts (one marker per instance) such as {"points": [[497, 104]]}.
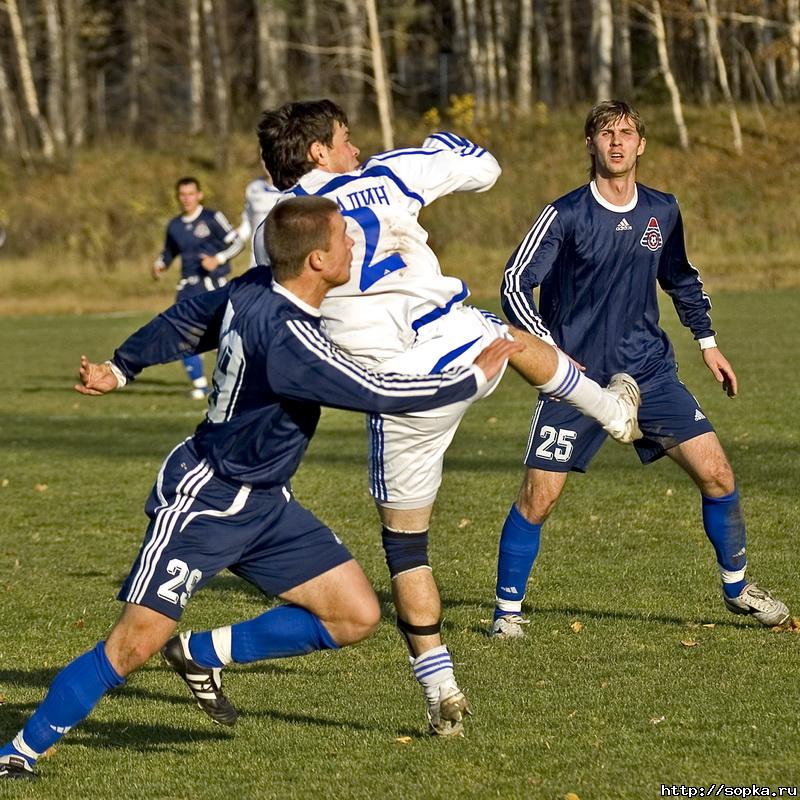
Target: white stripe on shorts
{"points": [[533, 428]]}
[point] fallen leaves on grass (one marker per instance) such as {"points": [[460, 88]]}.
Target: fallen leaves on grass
{"points": [[658, 720], [690, 643], [462, 523], [40, 487], [571, 796], [792, 626], [4, 482], [576, 625], [403, 740]]}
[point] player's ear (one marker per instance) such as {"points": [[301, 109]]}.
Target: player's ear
{"points": [[316, 260], [317, 154], [642, 145]]}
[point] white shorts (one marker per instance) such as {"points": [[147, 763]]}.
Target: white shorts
{"points": [[406, 451]]}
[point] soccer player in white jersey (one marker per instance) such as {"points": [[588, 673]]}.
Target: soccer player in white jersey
{"points": [[598, 253], [260, 197], [398, 312]]}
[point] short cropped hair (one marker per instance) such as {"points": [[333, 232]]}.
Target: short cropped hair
{"points": [[186, 181], [606, 112], [293, 229], [286, 133]]}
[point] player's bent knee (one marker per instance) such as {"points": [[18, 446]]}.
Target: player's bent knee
{"points": [[362, 620], [404, 551]]}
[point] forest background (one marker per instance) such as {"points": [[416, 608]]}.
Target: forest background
{"points": [[104, 103]]}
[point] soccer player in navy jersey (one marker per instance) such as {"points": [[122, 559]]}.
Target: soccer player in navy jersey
{"points": [[205, 242], [223, 497], [598, 253]]}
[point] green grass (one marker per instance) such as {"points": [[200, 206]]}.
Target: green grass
{"points": [[612, 711]]}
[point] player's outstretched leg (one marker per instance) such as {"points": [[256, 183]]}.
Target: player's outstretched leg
{"points": [[554, 374]]}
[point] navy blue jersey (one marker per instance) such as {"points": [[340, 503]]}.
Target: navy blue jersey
{"points": [[205, 233], [274, 369], [598, 266]]}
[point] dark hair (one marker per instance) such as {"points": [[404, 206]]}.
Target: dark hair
{"points": [[293, 229], [606, 112], [286, 133], [186, 181]]}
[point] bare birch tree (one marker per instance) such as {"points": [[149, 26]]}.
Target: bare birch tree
{"points": [[709, 8], [195, 68], [382, 92], [501, 28], [272, 58], [524, 60], [566, 70], [355, 67], [8, 112], [222, 110], [137, 60], [55, 74], [767, 57], [474, 56], [622, 48], [544, 65], [602, 40], [76, 101], [30, 98], [313, 59], [705, 66]]}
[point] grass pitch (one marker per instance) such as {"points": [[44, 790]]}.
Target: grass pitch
{"points": [[632, 674]]}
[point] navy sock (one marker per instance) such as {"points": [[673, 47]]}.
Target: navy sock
{"points": [[519, 546], [74, 692], [724, 524], [283, 631]]}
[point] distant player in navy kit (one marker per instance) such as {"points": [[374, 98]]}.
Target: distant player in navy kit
{"points": [[223, 496], [205, 242], [597, 254]]}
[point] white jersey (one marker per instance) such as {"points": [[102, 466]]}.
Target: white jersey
{"points": [[395, 280], [260, 196]]}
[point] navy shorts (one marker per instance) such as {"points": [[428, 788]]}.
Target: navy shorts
{"points": [[201, 524], [562, 439]]}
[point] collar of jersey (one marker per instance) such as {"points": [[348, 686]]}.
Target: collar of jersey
{"points": [[293, 298], [610, 206], [194, 216]]}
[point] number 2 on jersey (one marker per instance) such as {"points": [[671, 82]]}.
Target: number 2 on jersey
{"points": [[372, 271]]}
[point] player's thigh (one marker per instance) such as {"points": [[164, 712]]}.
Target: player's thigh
{"points": [[668, 416], [406, 451], [561, 439], [199, 525], [539, 493], [704, 460], [291, 548]]}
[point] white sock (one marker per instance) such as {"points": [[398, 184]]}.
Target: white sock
{"points": [[571, 385], [200, 383]]}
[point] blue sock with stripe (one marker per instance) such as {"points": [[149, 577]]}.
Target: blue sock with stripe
{"points": [[194, 367], [724, 524], [283, 631], [519, 546], [74, 692]]}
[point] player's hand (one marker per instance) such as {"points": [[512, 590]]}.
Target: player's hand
{"points": [[721, 369], [493, 358], [209, 263], [156, 271], [96, 379]]}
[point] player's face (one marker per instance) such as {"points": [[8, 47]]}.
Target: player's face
{"points": [[342, 155], [616, 147], [339, 254], [189, 197]]}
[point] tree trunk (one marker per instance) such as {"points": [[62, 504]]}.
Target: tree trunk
{"points": [[195, 68], [9, 113], [566, 71], [602, 40], [657, 21], [705, 66], [355, 67], [622, 49], [77, 100], [764, 54], [524, 61], [474, 57], [501, 29], [709, 8], [382, 90], [137, 61], [544, 65], [273, 76], [489, 58], [313, 60], [221, 94], [55, 74], [793, 71], [460, 43], [29, 96]]}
